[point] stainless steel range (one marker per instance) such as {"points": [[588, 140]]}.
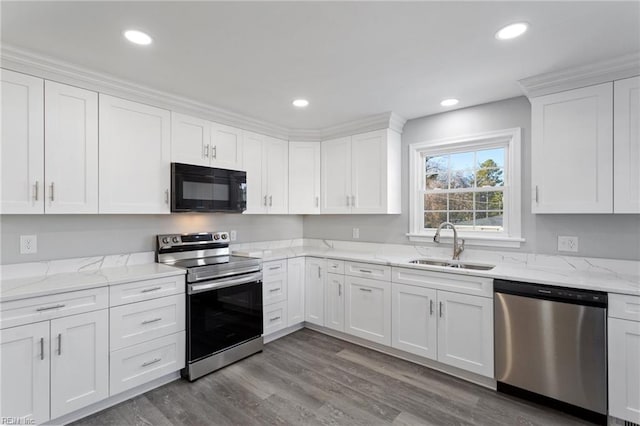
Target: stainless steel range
{"points": [[224, 299]]}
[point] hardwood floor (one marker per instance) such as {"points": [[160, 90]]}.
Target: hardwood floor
{"points": [[308, 378]]}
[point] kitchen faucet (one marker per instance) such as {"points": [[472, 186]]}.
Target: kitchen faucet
{"points": [[457, 248]]}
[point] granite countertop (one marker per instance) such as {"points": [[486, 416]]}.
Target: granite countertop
{"points": [[608, 275]]}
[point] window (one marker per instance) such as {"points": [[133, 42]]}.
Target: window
{"points": [[472, 182]]}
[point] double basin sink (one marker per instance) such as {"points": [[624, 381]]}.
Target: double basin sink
{"points": [[452, 264]]}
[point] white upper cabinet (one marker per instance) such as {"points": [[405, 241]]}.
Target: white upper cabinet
{"points": [[626, 145], [71, 149], [135, 157], [22, 145], [226, 147], [266, 161], [304, 177], [190, 140], [361, 174], [572, 151]]}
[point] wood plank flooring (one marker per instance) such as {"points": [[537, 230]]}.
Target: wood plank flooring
{"points": [[308, 378]]}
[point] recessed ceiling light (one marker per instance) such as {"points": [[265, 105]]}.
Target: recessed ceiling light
{"points": [[449, 102], [138, 37], [300, 103], [512, 31]]}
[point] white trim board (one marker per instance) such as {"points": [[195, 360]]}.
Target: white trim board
{"points": [[27, 62]]}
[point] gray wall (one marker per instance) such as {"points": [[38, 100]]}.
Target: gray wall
{"points": [[613, 236], [64, 236]]}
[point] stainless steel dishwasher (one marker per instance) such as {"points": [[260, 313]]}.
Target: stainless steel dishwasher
{"points": [[551, 346]]}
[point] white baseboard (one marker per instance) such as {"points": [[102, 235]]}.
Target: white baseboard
{"points": [[113, 400], [281, 333]]}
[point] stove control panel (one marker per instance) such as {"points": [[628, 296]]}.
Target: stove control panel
{"points": [[176, 240]]}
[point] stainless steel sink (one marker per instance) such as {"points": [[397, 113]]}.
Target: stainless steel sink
{"points": [[459, 265]]}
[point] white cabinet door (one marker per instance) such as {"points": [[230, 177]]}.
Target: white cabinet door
{"points": [[226, 147], [277, 175], [334, 306], [626, 145], [465, 332], [572, 151], [295, 290], [624, 369], [190, 140], [135, 157], [24, 355], [336, 175], [368, 309], [274, 317], [304, 177], [79, 361], [22, 148], [71, 149], [254, 153], [414, 324], [369, 172], [314, 283]]}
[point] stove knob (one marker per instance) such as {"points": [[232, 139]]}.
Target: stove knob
{"points": [[165, 240], [224, 236], [216, 237], [175, 240]]}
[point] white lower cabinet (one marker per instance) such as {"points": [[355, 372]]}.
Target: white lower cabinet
{"points": [[414, 320], [624, 368], [314, 283], [295, 290], [25, 362], [79, 361], [368, 309], [334, 308]]}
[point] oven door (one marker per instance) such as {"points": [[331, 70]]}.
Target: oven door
{"points": [[223, 313], [207, 189]]}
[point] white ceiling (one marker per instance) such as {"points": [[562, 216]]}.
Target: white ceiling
{"points": [[350, 59]]}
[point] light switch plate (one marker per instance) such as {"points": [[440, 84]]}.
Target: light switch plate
{"points": [[28, 244], [233, 235], [356, 233], [569, 244]]}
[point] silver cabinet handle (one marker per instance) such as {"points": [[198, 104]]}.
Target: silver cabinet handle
{"points": [[274, 319], [51, 192], [36, 189], [41, 348], [215, 151], [366, 271], [536, 194], [205, 151], [318, 272], [147, 290], [59, 344], [339, 289], [431, 307], [270, 200], [347, 201], [151, 320], [273, 268], [265, 200], [353, 200], [166, 196], [274, 290], [368, 290], [317, 201], [153, 361], [48, 308], [440, 309]]}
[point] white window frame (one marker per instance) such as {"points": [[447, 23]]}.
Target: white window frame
{"points": [[510, 139]]}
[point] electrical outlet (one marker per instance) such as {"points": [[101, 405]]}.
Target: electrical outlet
{"points": [[28, 244], [232, 235], [356, 233], [568, 244]]}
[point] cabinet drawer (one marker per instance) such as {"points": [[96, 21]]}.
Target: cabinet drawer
{"points": [[274, 289], [335, 266], [135, 365], [624, 307], [138, 291], [368, 270], [275, 267], [139, 322], [443, 281], [275, 317], [43, 308]]}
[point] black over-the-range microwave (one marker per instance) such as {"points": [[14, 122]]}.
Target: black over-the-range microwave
{"points": [[207, 189]]}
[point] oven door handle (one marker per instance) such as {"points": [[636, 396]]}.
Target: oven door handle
{"points": [[216, 285]]}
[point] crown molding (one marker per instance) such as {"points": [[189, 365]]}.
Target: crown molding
{"points": [[582, 76], [49, 68]]}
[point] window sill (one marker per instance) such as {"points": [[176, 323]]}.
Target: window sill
{"points": [[470, 240]]}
